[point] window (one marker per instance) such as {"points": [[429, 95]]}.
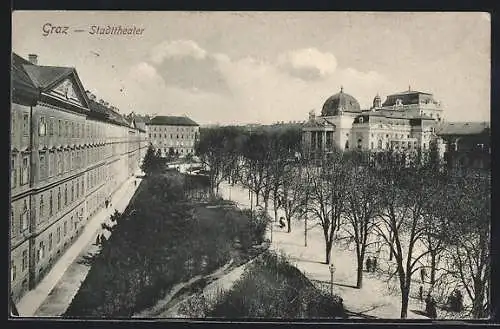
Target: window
{"points": [[347, 145], [154, 135], [51, 127], [51, 204], [50, 241], [72, 129], [42, 208], [425, 146], [58, 234], [82, 188], [361, 120], [12, 271], [66, 194], [41, 251], [73, 191], [59, 199], [372, 145], [42, 128], [25, 171], [77, 189], [65, 229], [43, 166], [13, 171], [24, 264], [379, 144], [26, 124], [24, 217]]}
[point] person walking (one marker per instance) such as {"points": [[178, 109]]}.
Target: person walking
{"points": [[106, 203], [282, 222], [368, 264]]}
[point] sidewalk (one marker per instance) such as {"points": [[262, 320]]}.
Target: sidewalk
{"points": [[374, 300], [53, 294]]}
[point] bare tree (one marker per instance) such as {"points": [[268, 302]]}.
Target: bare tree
{"points": [[405, 193], [292, 192], [470, 252], [362, 205], [327, 192]]}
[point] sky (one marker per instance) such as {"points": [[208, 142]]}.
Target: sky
{"points": [[263, 67]]}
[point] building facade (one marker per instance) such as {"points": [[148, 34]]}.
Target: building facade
{"points": [[405, 122], [173, 135], [468, 145], [68, 154]]}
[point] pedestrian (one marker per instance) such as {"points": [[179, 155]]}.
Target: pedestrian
{"points": [[98, 239], [421, 293], [282, 222], [106, 203], [374, 264], [423, 274], [368, 264], [432, 309], [135, 183]]}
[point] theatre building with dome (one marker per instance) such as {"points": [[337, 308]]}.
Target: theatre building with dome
{"points": [[404, 122]]}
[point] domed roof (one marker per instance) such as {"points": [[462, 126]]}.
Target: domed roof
{"points": [[340, 101]]}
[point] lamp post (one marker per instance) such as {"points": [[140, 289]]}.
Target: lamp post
{"points": [[332, 270]]}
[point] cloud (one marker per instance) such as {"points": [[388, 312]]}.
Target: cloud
{"points": [[184, 64], [214, 87], [176, 49], [308, 63]]}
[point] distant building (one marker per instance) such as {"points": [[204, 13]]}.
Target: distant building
{"points": [[177, 134], [468, 145], [405, 122]]}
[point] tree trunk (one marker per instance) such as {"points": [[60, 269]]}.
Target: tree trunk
{"points": [[328, 249], [275, 205], [391, 244], [289, 222], [359, 281], [405, 293], [478, 302], [433, 269], [266, 203]]}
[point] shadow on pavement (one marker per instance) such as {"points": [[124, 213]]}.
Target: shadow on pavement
{"points": [[419, 312]]}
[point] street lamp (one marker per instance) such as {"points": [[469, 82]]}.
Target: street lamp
{"points": [[332, 270]]}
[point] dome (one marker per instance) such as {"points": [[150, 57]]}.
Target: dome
{"points": [[340, 101]]}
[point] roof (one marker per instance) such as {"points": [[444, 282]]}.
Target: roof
{"points": [[464, 128], [45, 76], [172, 121], [22, 86], [340, 101], [409, 97]]}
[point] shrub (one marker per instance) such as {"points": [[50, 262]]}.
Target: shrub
{"points": [[272, 288]]}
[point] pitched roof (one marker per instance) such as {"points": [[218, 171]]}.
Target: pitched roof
{"points": [[172, 121], [22, 86], [44, 76], [463, 128]]}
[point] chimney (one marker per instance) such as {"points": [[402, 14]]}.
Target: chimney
{"points": [[33, 58]]}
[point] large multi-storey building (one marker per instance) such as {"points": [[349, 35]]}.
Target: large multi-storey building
{"points": [[172, 134], [406, 121], [69, 153]]}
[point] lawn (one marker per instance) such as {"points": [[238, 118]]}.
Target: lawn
{"points": [[170, 237]]}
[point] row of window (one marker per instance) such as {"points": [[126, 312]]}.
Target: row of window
{"points": [[52, 163], [62, 128], [172, 128], [59, 199], [41, 250], [190, 136]]}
